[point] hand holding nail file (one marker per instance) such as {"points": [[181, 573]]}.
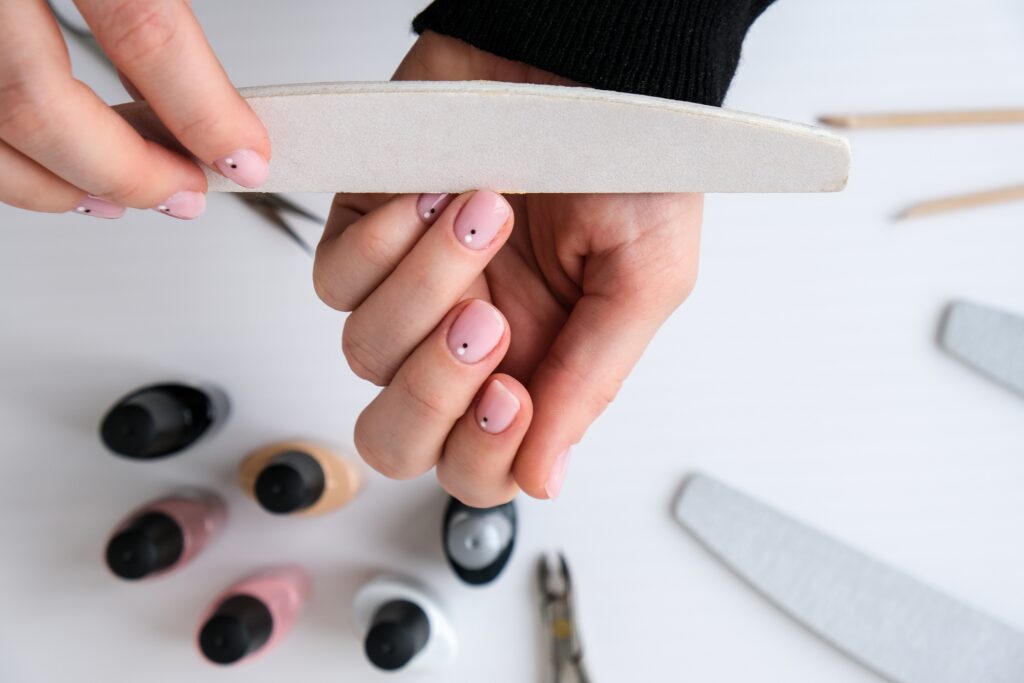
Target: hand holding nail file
{"points": [[455, 136], [899, 627]]}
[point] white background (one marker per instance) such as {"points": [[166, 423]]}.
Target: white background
{"points": [[803, 369]]}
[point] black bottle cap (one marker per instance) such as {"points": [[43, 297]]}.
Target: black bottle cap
{"points": [[152, 542], [291, 481], [240, 626], [156, 421], [400, 629]]}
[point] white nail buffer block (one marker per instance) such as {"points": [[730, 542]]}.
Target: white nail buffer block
{"points": [[456, 136]]}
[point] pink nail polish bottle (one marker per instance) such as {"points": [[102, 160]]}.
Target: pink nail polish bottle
{"points": [[164, 534], [253, 615]]}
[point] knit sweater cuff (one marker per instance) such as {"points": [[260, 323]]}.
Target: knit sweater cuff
{"points": [[679, 49]]}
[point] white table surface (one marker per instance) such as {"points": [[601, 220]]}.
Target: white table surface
{"points": [[803, 369]]}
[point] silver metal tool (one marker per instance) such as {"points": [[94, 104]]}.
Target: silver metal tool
{"points": [[989, 340], [559, 614], [890, 622]]}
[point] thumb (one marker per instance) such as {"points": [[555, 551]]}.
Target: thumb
{"points": [[597, 348]]}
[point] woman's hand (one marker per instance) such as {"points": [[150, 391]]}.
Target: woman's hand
{"points": [[63, 149], [497, 347]]}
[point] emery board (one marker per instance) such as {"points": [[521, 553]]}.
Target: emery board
{"points": [[989, 340], [420, 136], [895, 625]]}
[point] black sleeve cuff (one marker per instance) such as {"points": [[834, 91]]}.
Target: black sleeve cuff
{"points": [[679, 49]]}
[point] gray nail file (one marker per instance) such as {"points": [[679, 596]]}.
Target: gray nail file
{"points": [[455, 136], [988, 340], [893, 624]]}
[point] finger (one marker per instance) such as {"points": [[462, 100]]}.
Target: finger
{"points": [[63, 126], [476, 466], [444, 264], [633, 292], [27, 185], [402, 432], [160, 48], [359, 249]]}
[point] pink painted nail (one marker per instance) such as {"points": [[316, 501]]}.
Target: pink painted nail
{"points": [[186, 205], [98, 208], [557, 474], [430, 206], [476, 331], [245, 167], [497, 408], [481, 219]]}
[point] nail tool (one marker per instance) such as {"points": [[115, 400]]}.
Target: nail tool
{"points": [[273, 208], [895, 625], [558, 610], [923, 118], [989, 340], [940, 118], [963, 201], [455, 136], [478, 542]]}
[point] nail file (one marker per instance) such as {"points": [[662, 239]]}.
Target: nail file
{"points": [[454, 136], [893, 624], [989, 340]]}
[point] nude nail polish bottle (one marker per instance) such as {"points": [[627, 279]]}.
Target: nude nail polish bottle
{"points": [[403, 626], [299, 477], [164, 534], [162, 419], [478, 542], [253, 615]]}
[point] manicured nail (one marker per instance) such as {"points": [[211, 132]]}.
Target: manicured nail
{"points": [[557, 474], [476, 331], [497, 408], [99, 208], [186, 204], [245, 167], [481, 219], [430, 206]]}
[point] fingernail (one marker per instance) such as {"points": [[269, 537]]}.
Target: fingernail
{"points": [[98, 208], [185, 205], [481, 219], [476, 331], [497, 408], [557, 474], [430, 206], [245, 167]]}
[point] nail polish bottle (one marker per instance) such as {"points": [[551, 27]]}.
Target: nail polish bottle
{"points": [[162, 419], [164, 534], [403, 626], [478, 542], [253, 615], [299, 478]]}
